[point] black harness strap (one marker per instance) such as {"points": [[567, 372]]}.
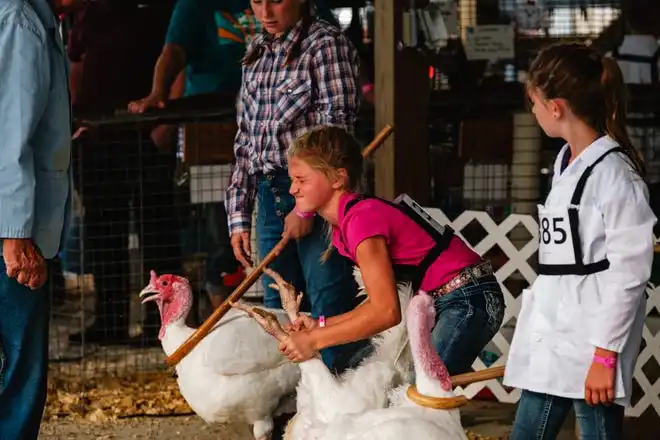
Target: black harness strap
{"points": [[579, 268], [413, 273]]}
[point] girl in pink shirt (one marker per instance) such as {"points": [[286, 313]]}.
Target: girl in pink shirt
{"points": [[389, 246]]}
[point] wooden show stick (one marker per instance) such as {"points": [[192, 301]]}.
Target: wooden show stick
{"points": [[458, 380], [477, 376], [380, 138], [252, 278]]}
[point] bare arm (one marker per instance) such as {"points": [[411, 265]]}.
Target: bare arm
{"points": [[179, 87], [170, 63], [380, 312]]}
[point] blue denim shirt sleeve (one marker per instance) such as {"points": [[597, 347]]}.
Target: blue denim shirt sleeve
{"points": [[23, 92]]}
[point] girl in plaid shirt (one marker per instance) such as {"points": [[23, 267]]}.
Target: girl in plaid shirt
{"points": [[301, 72]]}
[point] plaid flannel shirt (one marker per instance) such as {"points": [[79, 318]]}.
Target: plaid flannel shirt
{"points": [[278, 102]]}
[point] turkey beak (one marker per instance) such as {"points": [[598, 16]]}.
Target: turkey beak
{"points": [[149, 293]]}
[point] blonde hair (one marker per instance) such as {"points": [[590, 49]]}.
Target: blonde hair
{"points": [[327, 149]]}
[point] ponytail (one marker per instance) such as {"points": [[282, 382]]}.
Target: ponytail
{"points": [[615, 111], [253, 54], [327, 253], [307, 20]]}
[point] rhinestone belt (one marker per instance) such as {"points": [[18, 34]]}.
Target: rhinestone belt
{"points": [[467, 275]]}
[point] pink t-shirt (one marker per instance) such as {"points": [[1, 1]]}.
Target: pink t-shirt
{"points": [[408, 243]]}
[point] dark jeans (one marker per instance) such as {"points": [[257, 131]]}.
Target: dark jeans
{"points": [[329, 288], [23, 357], [540, 417], [466, 321], [114, 168]]}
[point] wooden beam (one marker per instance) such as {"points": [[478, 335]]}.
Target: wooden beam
{"points": [[384, 54], [402, 91]]}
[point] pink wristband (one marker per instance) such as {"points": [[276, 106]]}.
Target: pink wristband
{"points": [[305, 215], [321, 321], [609, 362], [367, 88]]}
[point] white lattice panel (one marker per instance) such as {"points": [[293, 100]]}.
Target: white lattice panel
{"points": [[497, 234]]}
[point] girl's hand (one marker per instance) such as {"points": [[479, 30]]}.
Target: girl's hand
{"points": [[298, 346], [303, 322], [296, 227], [599, 386]]}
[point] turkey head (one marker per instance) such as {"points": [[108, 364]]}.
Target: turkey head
{"points": [[172, 295]]}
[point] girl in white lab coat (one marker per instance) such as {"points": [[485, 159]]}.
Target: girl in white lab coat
{"points": [[580, 325]]}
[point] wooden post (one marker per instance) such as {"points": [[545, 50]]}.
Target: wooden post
{"points": [[402, 92]]}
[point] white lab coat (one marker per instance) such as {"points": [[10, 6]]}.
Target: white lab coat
{"points": [[563, 318]]}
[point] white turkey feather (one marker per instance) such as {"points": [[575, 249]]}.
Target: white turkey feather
{"points": [[245, 349]]}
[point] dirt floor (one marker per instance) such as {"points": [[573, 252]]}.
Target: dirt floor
{"points": [[161, 428], [483, 421]]}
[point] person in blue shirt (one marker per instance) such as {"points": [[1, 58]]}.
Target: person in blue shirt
{"points": [[35, 189]]}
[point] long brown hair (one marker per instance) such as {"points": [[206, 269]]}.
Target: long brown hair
{"points": [[592, 86], [307, 17]]}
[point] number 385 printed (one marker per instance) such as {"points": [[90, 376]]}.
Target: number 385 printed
{"points": [[552, 230]]}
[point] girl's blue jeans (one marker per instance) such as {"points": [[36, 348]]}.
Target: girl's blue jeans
{"points": [[541, 416]]}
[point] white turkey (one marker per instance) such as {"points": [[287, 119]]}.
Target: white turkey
{"points": [[362, 388], [235, 373], [329, 410]]}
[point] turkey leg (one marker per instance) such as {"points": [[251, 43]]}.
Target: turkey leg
{"points": [[265, 319], [291, 300]]}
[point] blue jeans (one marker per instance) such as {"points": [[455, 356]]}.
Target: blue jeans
{"points": [[329, 288], [466, 320], [540, 417], [24, 319]]}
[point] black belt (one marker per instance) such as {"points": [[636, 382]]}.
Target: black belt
{"points": [[273, 174]]}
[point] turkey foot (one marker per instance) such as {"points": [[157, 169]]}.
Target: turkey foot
{"points": [[291, 300], [265, 319]]}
